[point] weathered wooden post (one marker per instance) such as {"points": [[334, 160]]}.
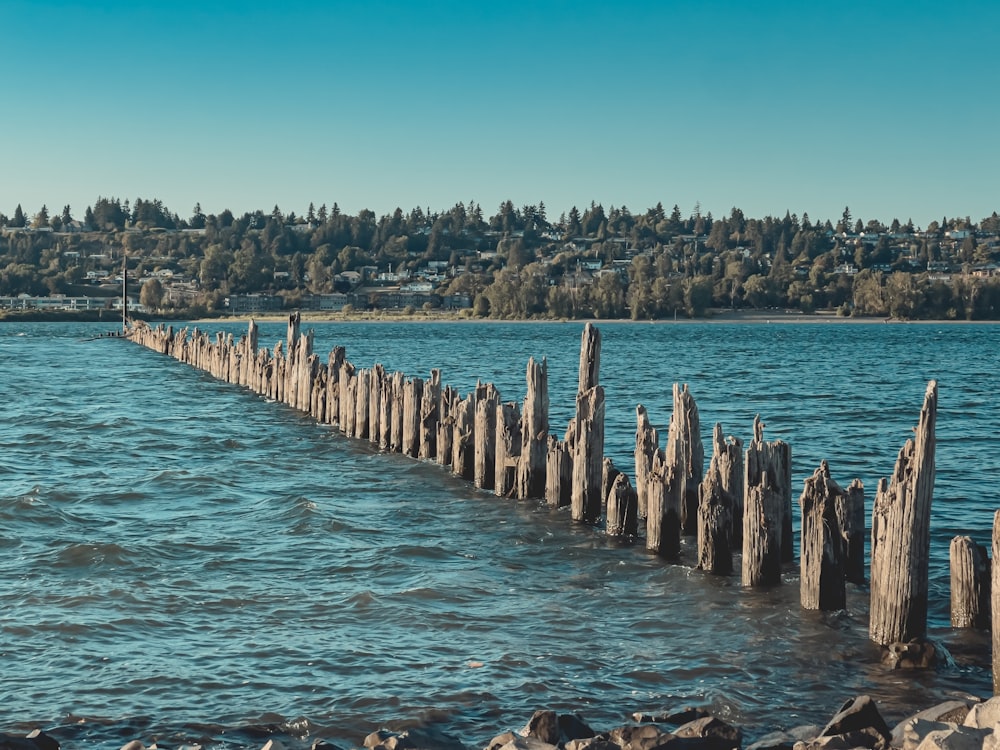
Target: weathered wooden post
{"points": [[334, 367], [485, 432], [851, 515], [463, 449], [767, 487], [901, 536], [715, 508], [413, 394], [558, 473], [646, 445], [430, 414], [362, 393], [663, 509], [823, 581], [970, 584], [534, 432], [396, 412], [508, 448], [446, 426], [588, 440], [620, 518], [376, 382], [688, 424], [995, 602]]}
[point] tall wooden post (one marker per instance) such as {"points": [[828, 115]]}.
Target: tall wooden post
{"points": [[646, 445], [508, 448], [715, 507], [901, 522], [767, 487], [621, 517], [430, 414], [534, 432], [485, 431], [588, 442], [692, 455]]}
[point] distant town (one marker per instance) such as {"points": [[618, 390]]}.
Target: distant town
{"points": [[518, 263]]}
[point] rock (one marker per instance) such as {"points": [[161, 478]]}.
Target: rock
{"points": [[787, 738], [849, 741], [916, 654], [42, 740], [642, 737], [377, 737], [984, 715], [859, 715], [573, 727], [428, 738], [953, 712], [133, 745], [271, 744], [544, 726], [527, 743], [591, 743], [957, 738], [716, 732], [500, 740], [683, 716], [914, 732], [321, 744]]}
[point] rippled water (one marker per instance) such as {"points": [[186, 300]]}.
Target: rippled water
{"points": [[182, 561]]}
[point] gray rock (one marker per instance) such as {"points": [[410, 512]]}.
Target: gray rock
{"points": [[573, 727], [953, 712], [959, 738], [377, 737], [591, 743], [527, 743], [859, 715], [429, 738], [848, 741], [544, 726], [914, 732], [500, 740], [984, 715], [916, 654], [721, 734], [133, 745], [42, 740]]}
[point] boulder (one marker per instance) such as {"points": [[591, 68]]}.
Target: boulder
{"points": [[916, 654], [859, 715], [949, 712], [721, 735], [914, 732], [682, 716], [642, 737], [42, 740], [527, 743], [786, 739], [500, 740], [957, 738], [544, 726], [573, 727], [848, 741], [591, 743], [428, 738], [984, 715]]}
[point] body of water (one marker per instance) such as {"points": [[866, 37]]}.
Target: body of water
{"points": [[182, 561]]}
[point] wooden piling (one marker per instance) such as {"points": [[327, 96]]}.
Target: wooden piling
{"points": [[621, 519], [823, 581], [715, 507], [766, 508], [463, 448], [901, 536], [588, 455], [646, 445], [663, 510], [413, 393], [485, 432], [558, 473], [507, 449], [692, 456], [430, 414], [851, 516], [970, 584], [534, 432]]}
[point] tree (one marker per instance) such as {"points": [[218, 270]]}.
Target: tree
{"points": [[19, 219], [41, 218], [151, 294]]}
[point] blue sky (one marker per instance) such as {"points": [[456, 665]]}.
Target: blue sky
{"points": [[890, 108]]}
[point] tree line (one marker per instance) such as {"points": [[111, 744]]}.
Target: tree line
{"points": [[520, 262]]}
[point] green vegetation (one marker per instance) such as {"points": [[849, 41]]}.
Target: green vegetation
{"points": [[516, 264]]}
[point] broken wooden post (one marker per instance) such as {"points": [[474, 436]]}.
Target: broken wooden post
{"points": [[823, 581], [715, 508], [376, 382], [970, 584], [396, 412], [558, 473], [534, 432], [588, 438], [663, 509], [995, 602], [621, 519], [334, 366], [430, 413], [766, 486], [413, 395], [851, 516], [646, 445], [485, 431], [446, 425], [508, 448], [688, 425], [900, 547], [463, 448]]}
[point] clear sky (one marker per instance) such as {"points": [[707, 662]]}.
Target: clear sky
{"points": [[890, 108]]}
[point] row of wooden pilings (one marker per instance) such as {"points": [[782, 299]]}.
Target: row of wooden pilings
{"points": [[743, 501]]}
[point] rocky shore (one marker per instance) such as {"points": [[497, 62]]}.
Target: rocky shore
{"points": [[964, 724]]}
